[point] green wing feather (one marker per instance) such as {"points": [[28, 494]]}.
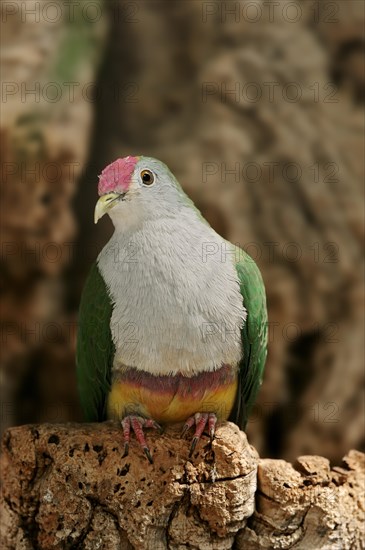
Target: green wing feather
{"points": [[254, 338], [95, 348]]}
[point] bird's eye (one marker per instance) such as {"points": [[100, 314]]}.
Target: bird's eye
{"points": [[147, 177]]}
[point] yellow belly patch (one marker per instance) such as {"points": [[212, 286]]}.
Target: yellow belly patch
{"points": [[169, 399]]}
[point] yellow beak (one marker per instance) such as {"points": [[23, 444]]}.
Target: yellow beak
{"points": [[105, 203]]}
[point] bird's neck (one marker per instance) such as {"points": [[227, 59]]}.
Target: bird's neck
{"points": [[142, 216], [179, 223]]}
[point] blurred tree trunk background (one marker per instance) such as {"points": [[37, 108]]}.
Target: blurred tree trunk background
{"points": [[49, 61], [260, 116]]}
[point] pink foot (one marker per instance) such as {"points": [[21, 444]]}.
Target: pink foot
{"points": [[201, 420], [137, 423]]}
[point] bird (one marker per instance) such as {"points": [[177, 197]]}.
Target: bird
{"points": [[172, 325]]}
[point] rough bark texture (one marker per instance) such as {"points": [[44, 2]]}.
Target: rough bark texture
{"points": [[67, 486]]}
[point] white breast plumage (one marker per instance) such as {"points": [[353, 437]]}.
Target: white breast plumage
{"points": [[177, 303]]}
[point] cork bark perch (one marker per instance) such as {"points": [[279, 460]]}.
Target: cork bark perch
{"points": [[67, 486]]}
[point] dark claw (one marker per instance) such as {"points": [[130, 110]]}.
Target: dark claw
{"points": [[148, 454], [184, 431], [193, 445], [126, 450]]}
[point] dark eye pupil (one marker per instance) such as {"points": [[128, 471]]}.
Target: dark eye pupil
{"points": [[146, 177]]}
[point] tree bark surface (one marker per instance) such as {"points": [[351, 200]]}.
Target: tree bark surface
{"points": [[68, 486]]}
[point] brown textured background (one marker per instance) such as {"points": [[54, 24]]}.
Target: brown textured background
{"points": [[151, 62]]}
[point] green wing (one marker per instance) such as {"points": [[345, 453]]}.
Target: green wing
{"points": [[254, 338], [95, 348]]}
